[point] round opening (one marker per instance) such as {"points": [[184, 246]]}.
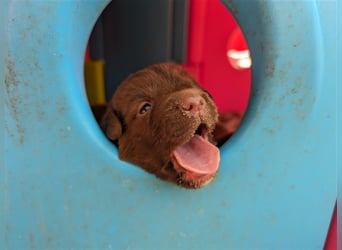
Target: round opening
{"points": [[201, 36]]}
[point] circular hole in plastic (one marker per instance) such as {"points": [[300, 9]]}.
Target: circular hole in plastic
{"points": [[201, 36]]}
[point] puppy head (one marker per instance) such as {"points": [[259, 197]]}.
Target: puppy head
{"points": [[163, 122]]}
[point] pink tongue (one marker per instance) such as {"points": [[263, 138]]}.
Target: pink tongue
{"points": [[198, 156]]}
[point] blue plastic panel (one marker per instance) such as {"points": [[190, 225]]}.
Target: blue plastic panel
{"points": [[64, 187]]}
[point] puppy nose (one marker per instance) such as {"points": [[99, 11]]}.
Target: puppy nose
{"points": [[193, 104]]}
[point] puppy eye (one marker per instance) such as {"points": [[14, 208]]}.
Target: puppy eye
{"points": [[145, 108]]}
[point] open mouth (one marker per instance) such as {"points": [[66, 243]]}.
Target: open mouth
{"points": [[197, 159], [202, 131]]}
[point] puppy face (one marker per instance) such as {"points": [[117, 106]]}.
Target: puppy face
{"points": [[163, 122]]}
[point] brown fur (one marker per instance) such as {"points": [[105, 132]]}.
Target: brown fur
{"points": [[147, 139], [226, 126]]}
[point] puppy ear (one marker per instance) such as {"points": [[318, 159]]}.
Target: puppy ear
{"points": [[111, 125], [226, 126]]}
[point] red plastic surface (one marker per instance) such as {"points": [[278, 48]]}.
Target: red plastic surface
{"points": [[210, 29], [331, 241]]}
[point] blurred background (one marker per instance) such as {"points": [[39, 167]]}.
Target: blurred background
{"points": [[202, 36]]}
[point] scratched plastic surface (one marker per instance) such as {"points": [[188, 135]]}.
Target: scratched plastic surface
{"points": [[64, 187]]}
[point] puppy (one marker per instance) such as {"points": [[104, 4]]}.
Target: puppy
{"points": [[163, 121]]}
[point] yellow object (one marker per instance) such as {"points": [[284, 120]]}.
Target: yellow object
{"points": [[94, 81]]}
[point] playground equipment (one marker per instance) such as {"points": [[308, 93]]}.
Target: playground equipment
{"points": [[64, 186]]}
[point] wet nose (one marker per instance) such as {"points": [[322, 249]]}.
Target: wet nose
{"points": [[192, 104]]}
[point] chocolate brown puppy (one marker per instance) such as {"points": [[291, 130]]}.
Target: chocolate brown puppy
{"points": [[163, 121]]}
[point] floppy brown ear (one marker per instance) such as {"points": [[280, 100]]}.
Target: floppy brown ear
{"points": [[226, 126], [111, 124]]}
